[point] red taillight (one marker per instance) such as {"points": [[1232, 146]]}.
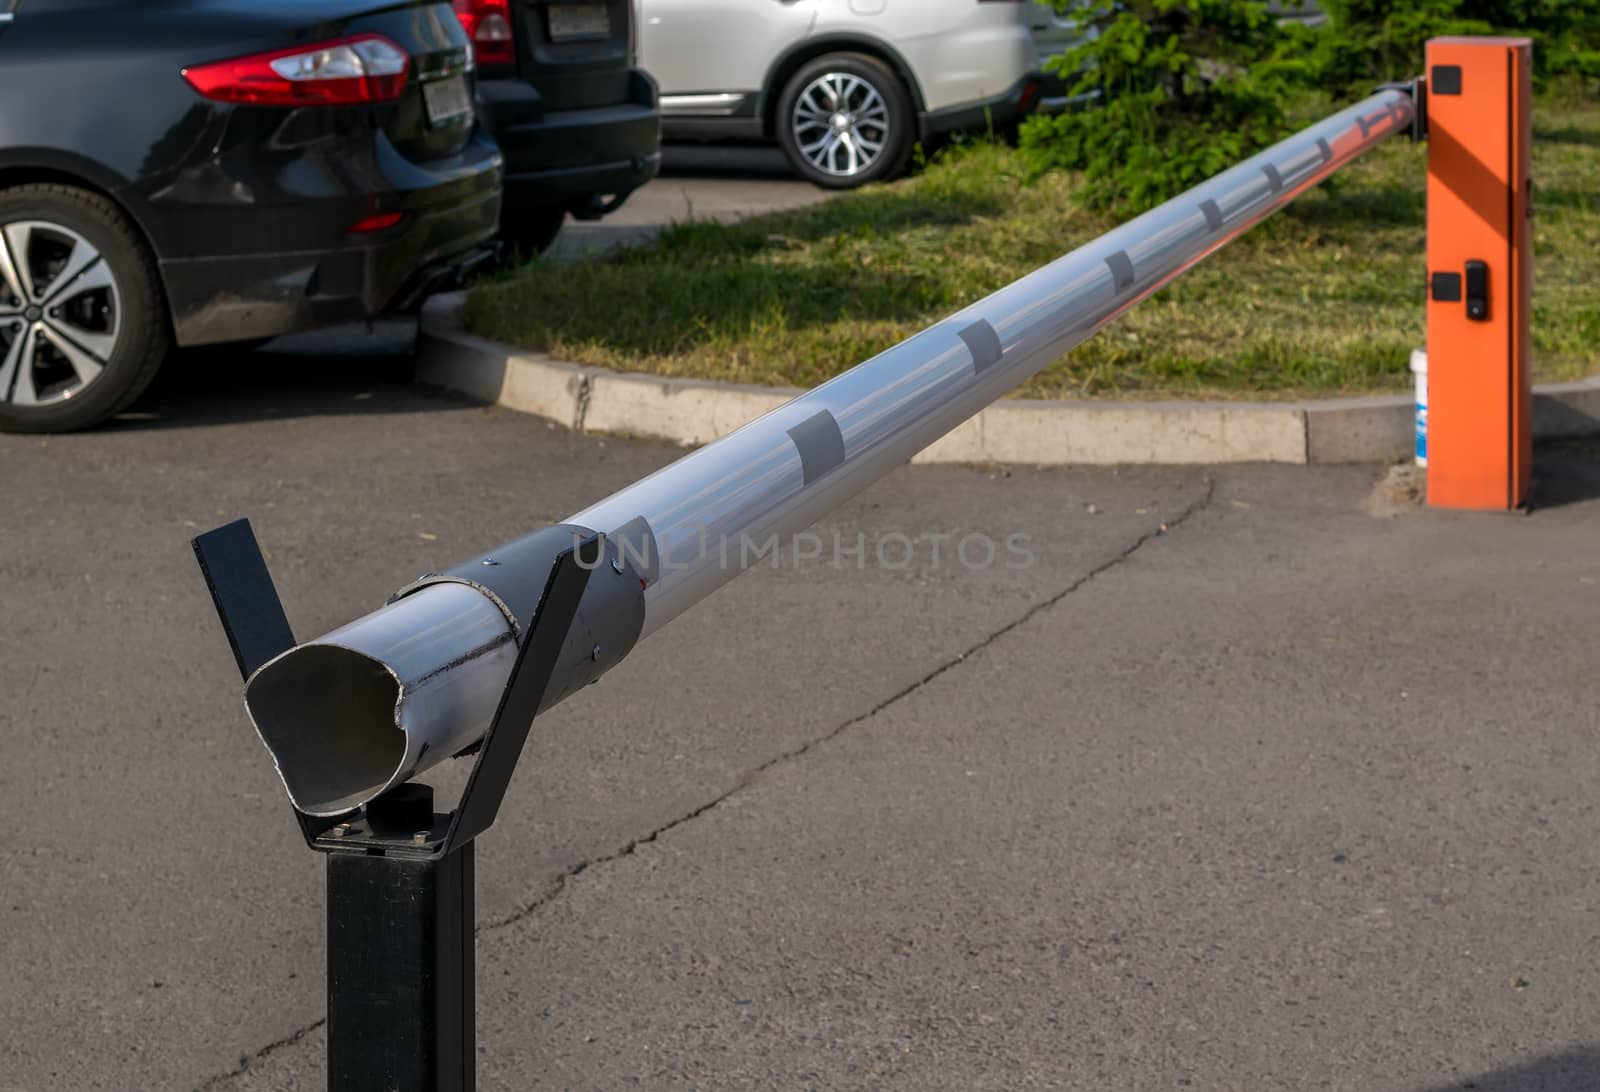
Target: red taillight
{"points": [[1029, 98], [344, 72], [383, 221], [488, 24]]}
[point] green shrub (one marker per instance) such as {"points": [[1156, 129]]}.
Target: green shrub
{"points": [[1566, 33], [1370, 41], [1184, 89], [1367, 42]]}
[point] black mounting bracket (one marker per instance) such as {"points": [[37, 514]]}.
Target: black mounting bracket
{"points": [[1417, 88], [401, 938], [396, 824]]}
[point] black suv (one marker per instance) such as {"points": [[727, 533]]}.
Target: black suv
{"points": [[578, 124]]}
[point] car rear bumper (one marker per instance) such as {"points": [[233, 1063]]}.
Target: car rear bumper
{"points": [[1055, 95], [1037, 92], [267, 293], [570, 158]]}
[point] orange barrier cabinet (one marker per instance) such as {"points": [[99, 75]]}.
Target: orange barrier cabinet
{"points": [[1480, 398]]}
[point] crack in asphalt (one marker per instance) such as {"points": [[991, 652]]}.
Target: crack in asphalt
{"points": [[559, 884], [248, 1060], [750, 777]]}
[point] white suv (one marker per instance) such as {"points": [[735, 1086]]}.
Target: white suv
{"points": [[847, 87]]}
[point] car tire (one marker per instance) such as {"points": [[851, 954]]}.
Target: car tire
{"points": [[83, 326], [531, 231], [845, 119]]}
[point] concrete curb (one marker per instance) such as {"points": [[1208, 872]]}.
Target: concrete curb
{"points": [[1026, 432]]}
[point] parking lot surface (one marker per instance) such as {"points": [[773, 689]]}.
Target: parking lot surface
{"points": [[698, 182], [1235, 786]]}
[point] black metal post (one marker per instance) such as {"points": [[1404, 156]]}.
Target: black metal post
{"points": [[400, 973], [401, 958]]}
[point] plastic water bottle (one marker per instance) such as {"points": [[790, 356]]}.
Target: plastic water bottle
{"points": [[1419, 369]]}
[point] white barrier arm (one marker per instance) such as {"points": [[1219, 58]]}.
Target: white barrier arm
{"points": [[351, 714]]}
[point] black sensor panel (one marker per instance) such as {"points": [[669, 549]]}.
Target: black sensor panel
{"points": [[1445, 80]]}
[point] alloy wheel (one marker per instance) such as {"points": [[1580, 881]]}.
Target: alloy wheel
{"points": [[60, 313], [841, 124]]}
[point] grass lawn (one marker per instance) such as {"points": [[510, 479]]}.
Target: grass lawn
{"points": [[1324, 298]]}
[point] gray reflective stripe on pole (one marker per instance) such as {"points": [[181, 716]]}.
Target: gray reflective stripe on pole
{"points": [[361, 710], [711, 512]]}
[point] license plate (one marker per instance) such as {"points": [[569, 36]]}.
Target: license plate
{"points": [[447, 100], [570, 21]]}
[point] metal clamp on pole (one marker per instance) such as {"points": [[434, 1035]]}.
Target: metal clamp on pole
{"points": [[401, 963]]}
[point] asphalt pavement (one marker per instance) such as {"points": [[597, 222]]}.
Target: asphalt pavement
{"points": [[698, 182], [1236, 785], [1224, 782]]}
